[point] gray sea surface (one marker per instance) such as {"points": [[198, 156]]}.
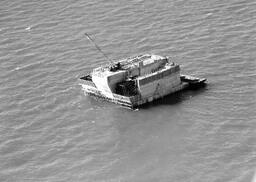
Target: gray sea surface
{"points": [[51, 132]]}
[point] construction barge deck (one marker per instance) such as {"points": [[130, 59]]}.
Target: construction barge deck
{"points": [[135, 81]]}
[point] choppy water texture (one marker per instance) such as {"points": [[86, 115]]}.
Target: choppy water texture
{"points": [[51, 131]]}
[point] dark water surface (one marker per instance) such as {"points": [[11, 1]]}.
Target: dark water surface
{"points": [[50, 131]]}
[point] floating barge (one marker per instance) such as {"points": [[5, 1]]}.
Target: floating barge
{"points": [[138, 80]]}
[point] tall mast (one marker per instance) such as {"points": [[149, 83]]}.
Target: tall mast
{"points": [[97, 47]]}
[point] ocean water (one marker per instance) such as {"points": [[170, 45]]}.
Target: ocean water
{"points": [[51, 132]]}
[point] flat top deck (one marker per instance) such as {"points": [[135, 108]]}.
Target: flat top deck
{"points": [[135, 61], [125, 64]]}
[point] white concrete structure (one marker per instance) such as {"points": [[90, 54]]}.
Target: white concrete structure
{"points": [[137, 80]]}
